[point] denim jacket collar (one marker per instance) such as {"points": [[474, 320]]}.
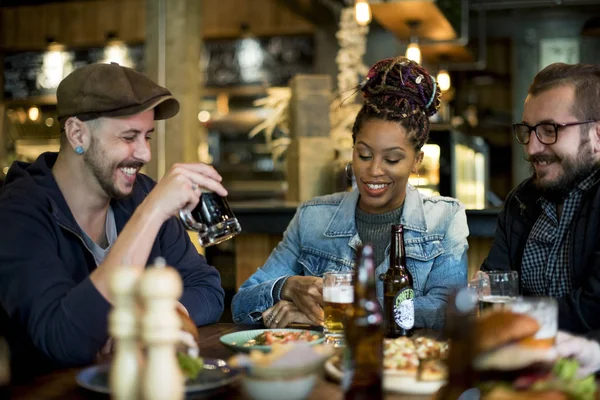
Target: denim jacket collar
{"points": [[343, 223]]}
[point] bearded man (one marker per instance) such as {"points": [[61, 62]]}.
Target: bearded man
{"points": [[72, 218], [549, 228]]}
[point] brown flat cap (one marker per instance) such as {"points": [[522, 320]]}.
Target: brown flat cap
{"points": [[111, 90]]}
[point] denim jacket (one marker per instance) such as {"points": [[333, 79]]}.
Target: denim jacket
{"points": [[322, 237]]}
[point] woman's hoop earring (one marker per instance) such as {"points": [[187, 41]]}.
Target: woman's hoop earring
{"points": [[347, 168]]}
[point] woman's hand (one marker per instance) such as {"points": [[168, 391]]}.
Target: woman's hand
{"points": [[306, 292], [283, 314]]}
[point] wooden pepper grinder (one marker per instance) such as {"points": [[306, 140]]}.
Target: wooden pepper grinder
{"points": [[125, 371], [160, 288]]}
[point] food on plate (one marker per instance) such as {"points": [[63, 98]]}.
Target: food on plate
{"points": [[512, 363], [421, 358], [288, 360], [190, 366], [187, 325], [433, 369], [400, 356], [430, 348], [187, 347], [269, 338]]}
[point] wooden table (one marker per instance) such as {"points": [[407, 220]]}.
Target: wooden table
{"points": [[61, 384]]}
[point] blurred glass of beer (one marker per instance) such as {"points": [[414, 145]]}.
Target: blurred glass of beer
{"points": [[338, 295], [496, 289], [545, 312]]}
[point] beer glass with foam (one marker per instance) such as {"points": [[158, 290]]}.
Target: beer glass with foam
{"points": [[495, 289], [338, 295], [545, 311]]}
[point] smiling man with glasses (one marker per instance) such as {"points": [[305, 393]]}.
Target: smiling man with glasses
{"points": [[549, 229]]}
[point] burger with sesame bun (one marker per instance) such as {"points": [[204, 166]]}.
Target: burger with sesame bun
{"points": [[511, 363]]}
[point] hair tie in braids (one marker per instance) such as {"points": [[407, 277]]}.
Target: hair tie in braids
{"points": [[432, 93]]}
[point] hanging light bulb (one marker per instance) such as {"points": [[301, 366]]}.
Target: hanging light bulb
{"points": [[116, 51], [443, 80], [413, 52], [33, 113], [53, 65], [362, 12]]}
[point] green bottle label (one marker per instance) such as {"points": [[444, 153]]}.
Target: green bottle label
{"points": [[404, 309]]}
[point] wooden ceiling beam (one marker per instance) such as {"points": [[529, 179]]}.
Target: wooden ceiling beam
{"points": [[314, 11]]}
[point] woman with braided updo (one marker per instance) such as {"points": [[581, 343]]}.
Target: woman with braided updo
{"points": [[388, 134]]}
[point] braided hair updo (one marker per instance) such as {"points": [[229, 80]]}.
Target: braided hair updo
{"points": [[398, 89]]}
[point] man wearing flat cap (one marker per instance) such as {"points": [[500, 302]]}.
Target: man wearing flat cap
{"points": [[72, 218]]}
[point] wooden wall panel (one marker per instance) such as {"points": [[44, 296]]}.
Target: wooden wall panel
{"points": [[109, 16], [74, 27], [28, 21], [268, 18], [224, 18], [86, 23], [131, 17], [52, 23], [7, 33], [76, 24], [479, 247], [251, 252]]}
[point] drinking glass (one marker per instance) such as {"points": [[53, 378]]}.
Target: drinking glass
{"points": [[338, 295], [495, 289], [212, 218], [544, 310]]}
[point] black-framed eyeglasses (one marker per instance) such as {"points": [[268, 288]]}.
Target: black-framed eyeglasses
{"points": [[546, 132]]}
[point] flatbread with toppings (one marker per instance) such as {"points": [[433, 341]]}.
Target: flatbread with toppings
{"points": [[433, 369], [429, 348], [421, 359], [400, 356]]}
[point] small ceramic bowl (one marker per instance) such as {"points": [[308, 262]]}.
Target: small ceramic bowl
{"points": [[271, 383], [293, 388], [288, 372]]}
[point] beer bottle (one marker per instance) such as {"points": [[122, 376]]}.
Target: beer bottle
{"points": [[460, 329], [398, 293], [363, 356], [5, 369]]}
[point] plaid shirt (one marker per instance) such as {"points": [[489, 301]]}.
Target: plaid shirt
{"points": [[545, 269]]}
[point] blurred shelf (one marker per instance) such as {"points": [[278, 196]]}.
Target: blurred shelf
{"points": [[394, 15], [250, 90], [39, 100]]}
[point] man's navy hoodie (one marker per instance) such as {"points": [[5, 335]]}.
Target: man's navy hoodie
{"points": [[50, 311]]}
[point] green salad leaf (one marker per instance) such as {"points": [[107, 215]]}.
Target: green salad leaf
{"points": [[566, 369], [190, 366], [566, 381]]}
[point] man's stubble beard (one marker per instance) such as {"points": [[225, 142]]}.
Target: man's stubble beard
{"points": [[104, 172], [574, 171]]}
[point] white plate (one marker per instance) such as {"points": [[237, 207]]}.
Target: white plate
{"points": [[392, 382]]}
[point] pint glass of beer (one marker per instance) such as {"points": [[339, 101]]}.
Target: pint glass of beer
{"points": [[495, 289], [338, 295], [545, 311]]}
